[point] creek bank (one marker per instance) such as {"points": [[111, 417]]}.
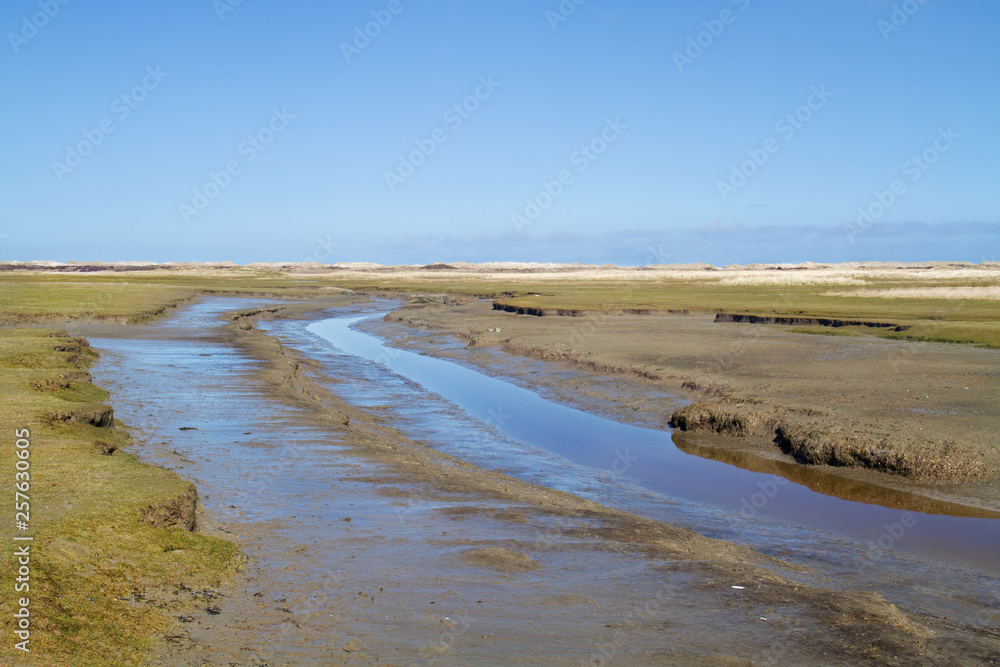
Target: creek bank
{"points": [[574, 312], [415, 462], [738, 318], [805, 321], [812, 439], [178, 512], [107, 575], [820, 400]]}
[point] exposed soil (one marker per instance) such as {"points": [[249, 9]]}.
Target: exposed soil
{"points": [[806, 321], [499, 558], [179, 512], [545, 577], [920, 411]]}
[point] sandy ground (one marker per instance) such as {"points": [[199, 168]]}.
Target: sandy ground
{"points": [[485, 569], [933, 404]]}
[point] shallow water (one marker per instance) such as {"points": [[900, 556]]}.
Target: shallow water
{"points": [[253, 459], [649, 459], [395, 577]]}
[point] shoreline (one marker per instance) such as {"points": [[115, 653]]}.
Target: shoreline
{"points": [[724, 407], [417, 463], [652, 537]]}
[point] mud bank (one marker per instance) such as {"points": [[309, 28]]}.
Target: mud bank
{"points": [[738, 318], [523, 572], [563, 312], [812, 438], [819, 400], [805, 321]]}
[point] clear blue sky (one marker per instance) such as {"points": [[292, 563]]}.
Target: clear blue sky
{"points": [[204, 81]]}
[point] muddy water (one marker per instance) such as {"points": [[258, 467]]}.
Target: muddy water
{"points": [[348, 566], [285, 488], [649, 459]]}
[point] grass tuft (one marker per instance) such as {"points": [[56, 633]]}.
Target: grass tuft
{"points": [[102, 580]]}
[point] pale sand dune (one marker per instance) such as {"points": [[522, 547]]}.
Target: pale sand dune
{"points": [[804, 274]]}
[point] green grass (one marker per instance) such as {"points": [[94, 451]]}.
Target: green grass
{"points": [[39, 297], [91, 549]]}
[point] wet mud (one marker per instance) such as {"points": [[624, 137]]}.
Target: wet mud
{"points": [[369, 540]]}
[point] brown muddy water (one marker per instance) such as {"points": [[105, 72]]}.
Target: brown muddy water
{"points": [[286, 490]]}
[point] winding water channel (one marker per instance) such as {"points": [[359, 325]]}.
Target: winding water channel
{"points": [[174, 373], [649, 459]]}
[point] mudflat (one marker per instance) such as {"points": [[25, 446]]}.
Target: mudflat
{"points": [[392, 551], [923, 415]]}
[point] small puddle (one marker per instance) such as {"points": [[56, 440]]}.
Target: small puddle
{"points": [[740, 488]]}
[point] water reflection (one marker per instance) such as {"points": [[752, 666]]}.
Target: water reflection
{"points": [[827, 483], [585, 446]]}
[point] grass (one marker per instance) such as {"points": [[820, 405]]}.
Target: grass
{"points": [[47, 299], [91, 554], [128, 298], [972, 321], [829, 293]]}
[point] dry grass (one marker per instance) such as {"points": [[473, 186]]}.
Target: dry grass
{"points": [[789, 278], [977, 293]]}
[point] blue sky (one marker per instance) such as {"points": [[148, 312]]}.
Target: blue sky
{"points": [[633, 133]]}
